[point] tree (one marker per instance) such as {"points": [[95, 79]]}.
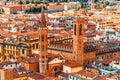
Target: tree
{"points": [[27, 2], [38, 10], [95, 1], [82, 5], [14, 12], [34, 10], [37, 2], [20, 2], [33, 1], [106, 3], [58, 2]]}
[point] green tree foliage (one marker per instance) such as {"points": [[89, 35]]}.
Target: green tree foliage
{"points": [[27, 2], [107, 3], [34, 10], [96, 1], [20, 2], [33, 2]]}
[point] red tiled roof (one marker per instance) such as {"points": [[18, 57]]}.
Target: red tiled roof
{"points": [[87, 73], [72, 64], [37, 76], [108, 61], [61, 6], [101, 77], [53, 56], [91, 24], [16, 7], [32, 59]]}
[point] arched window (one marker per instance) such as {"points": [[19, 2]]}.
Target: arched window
{"points": [[36, 45], [23, 51], [80, 29], [33, 46], [114, 55], [42, 38], [46, 38], [42, 47], [88, 61], [110, 55], [42, 57], [74, 29]]}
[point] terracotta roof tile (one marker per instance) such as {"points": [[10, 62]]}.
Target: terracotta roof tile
{"points": [[72, 64], [37, 76], [61, 6], [87, 73]]}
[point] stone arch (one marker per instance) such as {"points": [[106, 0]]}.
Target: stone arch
{"points": [[54, 69], [22, 50], [23, 45]]}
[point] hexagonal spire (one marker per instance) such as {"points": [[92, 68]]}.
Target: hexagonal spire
{"points": [[42, 18]]}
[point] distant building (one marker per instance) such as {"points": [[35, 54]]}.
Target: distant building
{"points": [[12, 71], [6, 74], [37, 76], [72, 67], [14, 9]]}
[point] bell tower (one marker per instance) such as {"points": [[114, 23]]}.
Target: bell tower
{"points": [[43, 33], [90, 3], [78, 40]]}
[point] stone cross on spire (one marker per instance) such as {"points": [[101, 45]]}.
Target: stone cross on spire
{"points": [[42, 18]]}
